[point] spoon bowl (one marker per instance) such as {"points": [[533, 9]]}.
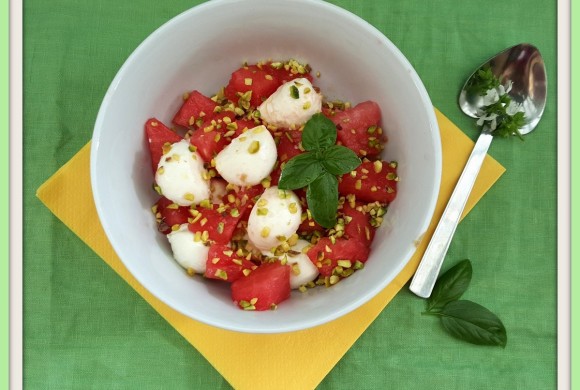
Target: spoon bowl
{"points": [[523, 66]]}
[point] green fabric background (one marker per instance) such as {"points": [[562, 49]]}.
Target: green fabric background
{"points": [[84, 327]]}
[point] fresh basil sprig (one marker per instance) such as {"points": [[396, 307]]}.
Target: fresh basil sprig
{"points": [[463, 319], [318, 167], [500, 113], [483, 81]]}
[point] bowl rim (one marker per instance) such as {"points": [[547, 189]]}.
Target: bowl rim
{"points": [[357, 301]]}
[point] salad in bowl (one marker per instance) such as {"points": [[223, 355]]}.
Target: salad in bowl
{"points": [[268, 186], [289, 145]]}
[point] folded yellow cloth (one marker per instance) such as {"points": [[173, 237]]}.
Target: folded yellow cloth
{"points": [[68, 195]]}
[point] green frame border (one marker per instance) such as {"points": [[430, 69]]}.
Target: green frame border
{"points": [[574, 185], [4, 178], [4, 192]]}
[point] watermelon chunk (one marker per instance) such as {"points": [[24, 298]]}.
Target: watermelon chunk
{"points": [[223, 264], [208, 143], [261, 81], [158, 135], [358, 129], [309, 225], [264, 288], [358, 222], [214, 224], [285, 75], [243, 198], [169, 214], [197, 107], [218, 133], [372, 181], [327, 254]]}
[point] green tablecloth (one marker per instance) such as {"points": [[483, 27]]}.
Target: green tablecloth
{"points": [[84, 327]]}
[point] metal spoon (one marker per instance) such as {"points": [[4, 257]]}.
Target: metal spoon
{"points": [[524, 67]]}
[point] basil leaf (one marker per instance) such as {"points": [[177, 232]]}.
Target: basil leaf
{"points": [[450, 286], [322, 199], [300, 171], [473, 323], [319, 133], [339, 160]]}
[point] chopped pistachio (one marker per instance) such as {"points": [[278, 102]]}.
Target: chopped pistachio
{"points": [[344, 263], [265, 232], [220, 273], [254, 147]]}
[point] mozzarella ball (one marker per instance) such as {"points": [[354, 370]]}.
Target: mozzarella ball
{"points": [[188, 252], [274, 218], [249, 158], [292, 104], [302, 268], [181, 175]]}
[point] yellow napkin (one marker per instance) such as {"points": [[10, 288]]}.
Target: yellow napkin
{"points": [[68, 195]]}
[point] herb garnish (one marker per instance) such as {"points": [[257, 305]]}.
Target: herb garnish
{"points": [[501, 114], [317, 169], [463, 319]]}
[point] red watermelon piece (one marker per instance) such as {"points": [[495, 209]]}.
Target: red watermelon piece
{"points": [[158, 135], [196, 107], [372, 181], [327, 253], [223, 264], [358, 223], [262, 82], [264, 288], [358, 129]]}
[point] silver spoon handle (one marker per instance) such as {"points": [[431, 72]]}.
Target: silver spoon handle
{"points": [[428, 271]]}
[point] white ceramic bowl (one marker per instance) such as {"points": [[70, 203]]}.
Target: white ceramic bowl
{"points": [[199, 49]]}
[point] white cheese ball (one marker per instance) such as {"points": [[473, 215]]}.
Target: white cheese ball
{"points": [[181, 175], [302, 268], [188, 252], [274, 218], [249, 158], [292, 104]]}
